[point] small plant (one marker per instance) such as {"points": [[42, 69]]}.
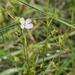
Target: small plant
{"points": [[37, 37]]}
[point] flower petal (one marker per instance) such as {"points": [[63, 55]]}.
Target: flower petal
{"points": [[29, 26], [22, 20], [22, 26], [28, 20]]}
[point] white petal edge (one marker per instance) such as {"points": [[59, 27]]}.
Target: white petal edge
{"points": [[28, 20], [29, 26], [22, 21], [22, 26]]}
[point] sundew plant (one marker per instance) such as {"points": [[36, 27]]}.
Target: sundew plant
{"points": [[37, 37]]}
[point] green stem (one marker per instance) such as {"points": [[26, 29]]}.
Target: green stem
{"points": [[47, 23], [60, 45], [25, 50]]}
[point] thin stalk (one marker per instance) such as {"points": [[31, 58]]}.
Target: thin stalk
{"points": [[72, 51], [33, 64], [47, 25], [25, 49], [60, 45]]}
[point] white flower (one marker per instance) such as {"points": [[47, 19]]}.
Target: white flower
{"points": [[26, 23]]}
